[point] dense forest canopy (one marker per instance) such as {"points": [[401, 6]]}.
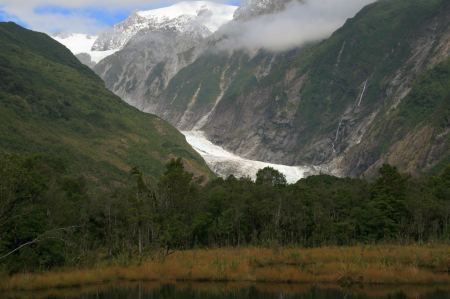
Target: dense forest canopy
{"points": [[49, 218]]}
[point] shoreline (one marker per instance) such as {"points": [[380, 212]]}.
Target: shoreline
{"points": [[375, 291], [381, 265]]}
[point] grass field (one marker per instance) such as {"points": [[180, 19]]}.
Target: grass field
{"points": [[345, 266]]}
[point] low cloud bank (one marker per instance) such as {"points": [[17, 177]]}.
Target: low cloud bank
{"points": [[298, 24]]}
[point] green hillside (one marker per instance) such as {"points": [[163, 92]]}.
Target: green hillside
{"points": [[54, 105]]}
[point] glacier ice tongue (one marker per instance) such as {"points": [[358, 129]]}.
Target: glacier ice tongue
{"points": [[224, 163]]}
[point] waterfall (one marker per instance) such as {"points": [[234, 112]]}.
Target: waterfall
{"points": [[222, 86]]}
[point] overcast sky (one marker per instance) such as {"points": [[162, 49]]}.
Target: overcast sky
{"points": [[83, 16]]}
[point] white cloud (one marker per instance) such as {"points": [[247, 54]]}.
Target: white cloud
{"points": [[76, 22], [298, 24]]}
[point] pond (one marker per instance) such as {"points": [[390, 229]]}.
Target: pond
{"points": [[236, 291]]}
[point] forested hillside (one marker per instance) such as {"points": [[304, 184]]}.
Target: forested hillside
{"points": [[48, 219], [53, 105]]}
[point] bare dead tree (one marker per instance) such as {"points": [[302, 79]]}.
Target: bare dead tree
{"points": [[42, 237]]}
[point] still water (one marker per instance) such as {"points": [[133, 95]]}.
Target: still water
{"points": [[236, 291]]}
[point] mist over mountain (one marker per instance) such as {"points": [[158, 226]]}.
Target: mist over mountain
{"points": [[283, 25]]}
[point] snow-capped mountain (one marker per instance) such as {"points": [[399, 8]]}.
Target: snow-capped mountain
{"points": [[142, 69], [81, 45], [211, 14], [203, 16]]}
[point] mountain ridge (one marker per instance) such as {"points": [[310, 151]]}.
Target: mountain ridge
{"points": [[206, 16], [54, 105], [312, 105]]}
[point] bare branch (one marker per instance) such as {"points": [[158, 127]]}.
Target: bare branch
{"points": [[40, 238]]}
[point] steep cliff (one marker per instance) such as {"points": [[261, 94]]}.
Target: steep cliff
{"points": [[141, 71], [323, 104]]}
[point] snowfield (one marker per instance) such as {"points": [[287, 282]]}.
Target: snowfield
{"points": [[224, 163], [79, 43], [211, 14]]}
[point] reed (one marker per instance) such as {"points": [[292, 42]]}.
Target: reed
{"points": [[346, 266]]}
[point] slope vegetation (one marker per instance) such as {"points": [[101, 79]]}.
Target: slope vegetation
{"points": [[54, 105]]}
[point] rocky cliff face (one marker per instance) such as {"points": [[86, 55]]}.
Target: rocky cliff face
{"points": [[117, 36], [141, 71], [155, 45], [181, 17], [348, 103], [324, 104], [339, 103]]}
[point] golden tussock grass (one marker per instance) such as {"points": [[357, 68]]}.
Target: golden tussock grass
{"points": [[333, 265]]}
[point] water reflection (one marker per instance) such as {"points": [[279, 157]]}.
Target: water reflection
{"points": [[235, 291]]}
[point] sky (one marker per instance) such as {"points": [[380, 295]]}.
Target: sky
{"points": [[301, 22], [75, 16]]}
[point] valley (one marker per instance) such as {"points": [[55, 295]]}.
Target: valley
{"points": [[324, 103], [214, 150]]}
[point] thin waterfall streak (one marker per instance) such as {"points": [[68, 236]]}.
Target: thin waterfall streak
{"points": [[362, 93]]}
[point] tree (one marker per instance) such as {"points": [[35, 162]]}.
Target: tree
{"points": [[141, 204], [271, 182], [29, 220], [270, 176], [176, 194], [389, 201], [18, 184]]}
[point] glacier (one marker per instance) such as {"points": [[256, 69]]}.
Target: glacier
{"points": [[225, 163], [79, 43]]}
